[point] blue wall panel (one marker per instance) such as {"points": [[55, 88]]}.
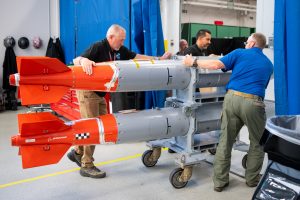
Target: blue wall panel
{"points": [[84, 22], [292, 52], [286, 57], [67, 27]]}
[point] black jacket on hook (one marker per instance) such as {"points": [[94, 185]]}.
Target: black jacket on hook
{"points": [[9, 67], [54, 49]]}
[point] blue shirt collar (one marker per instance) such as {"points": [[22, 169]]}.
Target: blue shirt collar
{"points": [[257, 49]]}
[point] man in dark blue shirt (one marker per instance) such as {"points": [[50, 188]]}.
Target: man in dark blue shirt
{"points": [[243, 105]]}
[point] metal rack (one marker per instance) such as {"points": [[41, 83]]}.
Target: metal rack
{"points": [[204, 112]]}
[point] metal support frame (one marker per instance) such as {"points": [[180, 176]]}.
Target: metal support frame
{"points": [[204, 113], [191, 146]]}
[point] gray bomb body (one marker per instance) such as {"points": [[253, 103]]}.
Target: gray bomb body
{"points": [[152, 124], [162, 75]]}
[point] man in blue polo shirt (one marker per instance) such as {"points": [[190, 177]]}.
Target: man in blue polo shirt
{"points": [[243, 105]]}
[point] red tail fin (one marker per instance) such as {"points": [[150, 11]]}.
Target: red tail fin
{"points": [[36, 65], [31, 124], [35, 94], [39, 94], [39, 155], [39, 123]]}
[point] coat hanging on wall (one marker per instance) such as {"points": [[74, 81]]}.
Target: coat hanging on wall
{"points": [[9, 67], [54, 49]]}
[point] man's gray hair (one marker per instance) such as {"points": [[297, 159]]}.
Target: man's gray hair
{"points": [[259, 39], [114, 29], [182, 41]]}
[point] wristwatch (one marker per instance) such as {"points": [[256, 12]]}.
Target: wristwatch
{"points": [[195, 64]]}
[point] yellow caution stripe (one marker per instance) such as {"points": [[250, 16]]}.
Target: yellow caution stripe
{"points": [[136, 63], [70, 170]]}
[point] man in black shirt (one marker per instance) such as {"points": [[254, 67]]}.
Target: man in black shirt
{"points": [[203, 38], [93, 104]]}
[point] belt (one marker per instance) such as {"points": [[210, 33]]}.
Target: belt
{"points": [[246, 95]]}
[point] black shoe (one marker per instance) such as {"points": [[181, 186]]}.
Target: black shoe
{"points": [[220, 189], [92, 172], [74, 157]]}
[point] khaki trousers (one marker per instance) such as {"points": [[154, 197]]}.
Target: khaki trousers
{"points": [[90, 105], [237, 112]]}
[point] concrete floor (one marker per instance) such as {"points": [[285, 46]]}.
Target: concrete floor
{"points": [[127, 177]]}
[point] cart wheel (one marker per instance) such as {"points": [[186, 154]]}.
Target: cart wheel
{"points": [[244, 161], [212, 151], [174, 178], [146, 159]]}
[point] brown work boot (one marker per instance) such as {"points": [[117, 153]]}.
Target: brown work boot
{"points": [[255, 183], [92, 172], [220, 189], [75, 157]]}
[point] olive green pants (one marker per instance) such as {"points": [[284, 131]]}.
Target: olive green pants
{"points": [[237, 112], [90, 105]]}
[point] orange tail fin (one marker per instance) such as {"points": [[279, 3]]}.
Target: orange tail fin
{"points": [[37, 65], [35, 94], [39, 123], [39, 94], [32, 124], [39, 155]]}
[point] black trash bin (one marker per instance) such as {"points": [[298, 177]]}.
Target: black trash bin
{"points": [[281, 141]]}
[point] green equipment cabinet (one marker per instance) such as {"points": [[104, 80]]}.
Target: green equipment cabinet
{"points": [[189, 31]]}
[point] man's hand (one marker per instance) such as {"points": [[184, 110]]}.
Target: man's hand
{"points": [[188, 60], [166, 55], [87, 65]]}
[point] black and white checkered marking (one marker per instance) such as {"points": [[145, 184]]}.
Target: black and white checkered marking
{"points": [[82, 136]]}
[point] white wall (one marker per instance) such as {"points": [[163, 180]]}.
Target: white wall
{"points": [[265, 25], [54, 18], [207, 15], [27, 18], [170, 15], [265, 14]]}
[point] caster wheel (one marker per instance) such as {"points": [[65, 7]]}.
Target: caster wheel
{"points": [[174, 178], [244, 161], [212, 151], [146, 159]]}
